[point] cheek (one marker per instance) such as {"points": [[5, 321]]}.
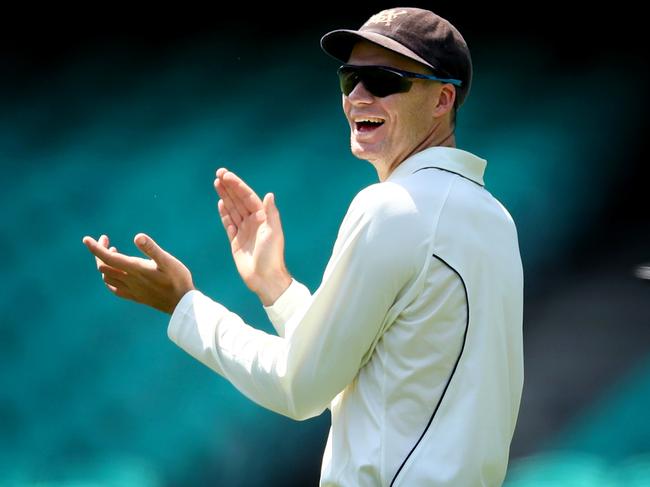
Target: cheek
{"points": [[421, 113], [424, 104], [412, 117], [345, 104]]}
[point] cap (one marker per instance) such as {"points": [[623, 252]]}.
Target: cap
{"points": [[415, 33]]}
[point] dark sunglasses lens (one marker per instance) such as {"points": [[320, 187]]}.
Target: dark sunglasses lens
{"points": [[380, 82], [348, 79]]}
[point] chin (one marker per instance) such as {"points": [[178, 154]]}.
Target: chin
{"points": [[363, 151], [357, 152]]}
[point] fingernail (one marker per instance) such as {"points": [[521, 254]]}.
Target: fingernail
{"points": [[140, 240]]}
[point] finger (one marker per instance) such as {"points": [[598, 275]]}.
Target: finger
{"points": [[101, 265], [221, 206], [242, 192], [272, 212], [115, 282], [228, 225], [237, 213], [103, 241], [225, 215], [111, 271], [230, 184], [120, 292], [114, 259], [220, 186], [151, 249], [229, 204]]}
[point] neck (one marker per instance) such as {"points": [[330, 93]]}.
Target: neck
{"points": [[438, 140]]}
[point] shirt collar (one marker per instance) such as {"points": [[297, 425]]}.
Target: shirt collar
{"points": [[450, 159]]}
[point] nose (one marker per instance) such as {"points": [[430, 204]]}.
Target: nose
{"points": [[360, 95]]}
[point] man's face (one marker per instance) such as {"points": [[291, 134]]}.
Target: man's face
{"points": [[409, 119]]}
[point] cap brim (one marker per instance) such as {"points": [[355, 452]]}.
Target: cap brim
{"points": [[339, 44]]}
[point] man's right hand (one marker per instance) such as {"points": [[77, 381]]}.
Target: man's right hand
{"points": [[256, 239]]}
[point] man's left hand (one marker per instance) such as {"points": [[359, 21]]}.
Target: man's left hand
{"points": [[159, 282]]}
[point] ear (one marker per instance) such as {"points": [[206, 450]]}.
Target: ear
{"points": [[446, 100]]}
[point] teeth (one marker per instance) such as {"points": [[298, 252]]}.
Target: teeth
{"points": [[370, 119]]}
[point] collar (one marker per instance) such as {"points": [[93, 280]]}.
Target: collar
{"points": [[449, 159]]}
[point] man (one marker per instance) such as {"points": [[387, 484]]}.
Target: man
{"points": [[413, 338]]}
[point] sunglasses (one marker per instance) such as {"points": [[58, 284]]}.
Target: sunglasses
{"points": [[382, 81]]}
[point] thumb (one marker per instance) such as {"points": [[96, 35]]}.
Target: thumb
{"points": [[150, 248], [272, 212]]}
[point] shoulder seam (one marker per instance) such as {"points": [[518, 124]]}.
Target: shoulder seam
{"points": [[451, 172]]}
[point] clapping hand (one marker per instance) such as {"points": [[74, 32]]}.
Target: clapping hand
{"points": [[159, 282], [255, 233]]}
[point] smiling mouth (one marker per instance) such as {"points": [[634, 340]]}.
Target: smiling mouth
{"points": [[368, 124]]}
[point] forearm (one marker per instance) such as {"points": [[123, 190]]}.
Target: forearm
{"points": [[258, 364]]}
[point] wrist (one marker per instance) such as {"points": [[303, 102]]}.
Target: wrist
{"points": [[274, 287], [179, 294]]}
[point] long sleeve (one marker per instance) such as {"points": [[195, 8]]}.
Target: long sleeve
{"points": [[294, 298], [298, 374]]}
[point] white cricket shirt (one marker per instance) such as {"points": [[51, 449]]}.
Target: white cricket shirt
{"points": [[413, 338]]}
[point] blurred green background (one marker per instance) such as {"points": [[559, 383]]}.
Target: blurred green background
{"points": [[116, 123]]}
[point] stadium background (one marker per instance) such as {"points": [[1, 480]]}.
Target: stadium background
{"points": [[114, 121]]}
